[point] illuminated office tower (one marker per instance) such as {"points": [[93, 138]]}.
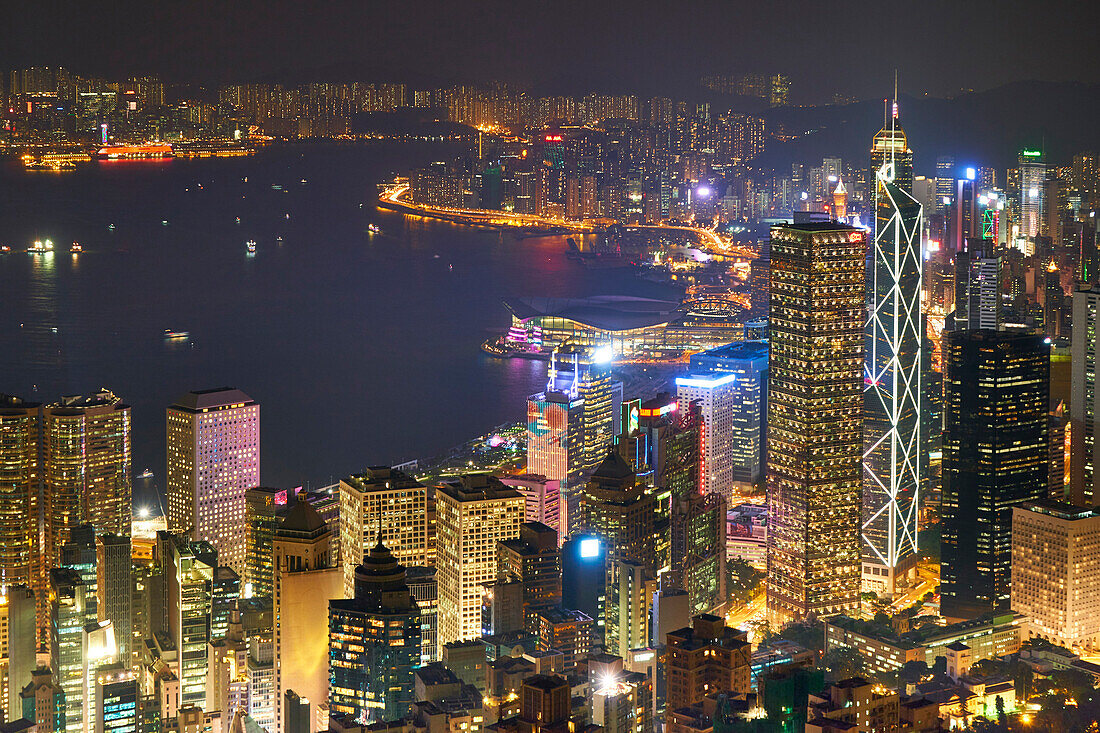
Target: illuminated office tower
{"points": [[213, 459], [306, 577], [717, 398], [995, 457], [748, 361], [116, 699], [945, 180], [374, 642], [68, 597], [224, 594], [977, 287], [114, 591], [473, 513], [20, 440], [18, 604], [425, 592], [386, 500], [86, 472], [1033, 173], [630, 589], [815, 406], [79, 554], [892, 443], [97, 649], [573, 422], [264, 508], [1084, 412], [188, 587]]}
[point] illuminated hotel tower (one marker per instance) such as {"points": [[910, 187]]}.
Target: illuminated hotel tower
{"points": [[892, 444], [814, 420], [213, 459]]}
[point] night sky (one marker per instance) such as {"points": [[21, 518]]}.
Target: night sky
{"points": [[939, 46]]}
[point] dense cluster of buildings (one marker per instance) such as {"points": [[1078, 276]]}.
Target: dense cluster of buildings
{"points": [[901, 383]]}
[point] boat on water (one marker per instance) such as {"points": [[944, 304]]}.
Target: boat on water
{"points": [[173, 335], [56, 166], [76, 248], [279, 238], [374, 229], [145, 474], [41, 246], [4, 249], [146, 151], [250, 245]]}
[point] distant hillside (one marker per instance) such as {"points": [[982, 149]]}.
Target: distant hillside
{"points": [[984, 128]]}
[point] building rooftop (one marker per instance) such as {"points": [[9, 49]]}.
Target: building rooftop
{"points": [[818, 226], [1060, 509], [737, 350], [208, 398], [601, 312]]}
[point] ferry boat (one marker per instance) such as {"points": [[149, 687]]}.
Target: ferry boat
{"points": [[4, 249], [145, 474], [41, 246], [250, 245], [76, 248], [374, 229], [146, 151], [172, 335]]}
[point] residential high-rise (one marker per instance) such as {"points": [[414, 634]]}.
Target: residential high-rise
{"points": [[748, 361], [892, 444], [86, 467], [995, 457], [1033, 173], [20, 489], [213, 459], [1056, 572], [704, 659], [572, 423], [374, 642], [386, 500], [1084, 411], [534, 560], [473, 513], [815, 406], [306, 578]]}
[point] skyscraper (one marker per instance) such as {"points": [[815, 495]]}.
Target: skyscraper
{"points": [[305, 577], [114, 590], [995, 457], [86, 474], [717, 400], [386, 500], [534, 560], [374, 642], [20, 488], [892, 444], [572, 423], [815, 389], [1084, 412], [68, 599], [264, 510], [213, 459], [1033, 173], [977, 286], [473, 513]]}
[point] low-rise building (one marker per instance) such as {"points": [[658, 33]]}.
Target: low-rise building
{"points": [[853, 705]]}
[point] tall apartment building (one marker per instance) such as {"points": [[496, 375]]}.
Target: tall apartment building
{"points": [[20, 490], [995, 456], [473, 513], [1056, 572], [387, 501], [213, 459], [815, 407]]}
